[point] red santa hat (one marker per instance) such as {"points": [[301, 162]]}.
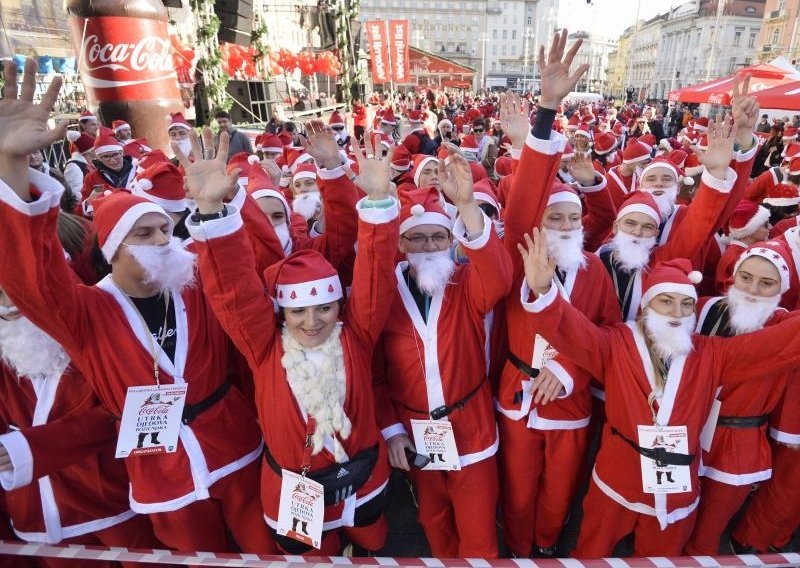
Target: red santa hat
{"points": [[635, 152], [422, 207], [503, 166], [162, 184], [381, 138], [415, 117], [618, 129], [105, 142], [388, 117], [584, 131], [485, 193], [285, 137], [791, 150], [747, 217], [469, 144], [794, 166], [648, 140], [702, 142], [305, 171], [151, 158], [562, 193], [116, 214], [574, 122], [789, 134], [303, 279], [241, 160], [678, 157], [271, 143], [336, 120], [260, 184], [419, 163], [478, 171], [700, 124], [692, 165], [79, 141], [401, 159], [604, 143], [87, 115], [664, 163], [176, 120], [782, 195], [118, 125], [671, 277], [774, 252], [640, 202]]}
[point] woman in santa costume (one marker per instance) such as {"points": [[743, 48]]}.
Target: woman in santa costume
{"points": [[311, 361], [740, 452], [144, 325], [543, 442], [660, 383], [749, 224]]}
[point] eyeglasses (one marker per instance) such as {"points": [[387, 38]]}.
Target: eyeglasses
{"points": [[477, 129], [113, 156], [337, 128], [437, 239]]}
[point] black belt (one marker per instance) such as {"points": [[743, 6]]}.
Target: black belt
{"points": [[191, 411], [442, 411], [524, 368], [659, 455], [742, 421]]}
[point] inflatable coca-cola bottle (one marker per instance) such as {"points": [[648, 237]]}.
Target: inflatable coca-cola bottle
{"points": [[125, 62]]}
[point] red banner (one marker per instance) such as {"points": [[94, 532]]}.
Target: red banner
{"points": [[398, 36], [378, 49]]}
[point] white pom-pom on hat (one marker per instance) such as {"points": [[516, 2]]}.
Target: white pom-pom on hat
{"points": [[252, 159], [145, 184], [417, 210], [107, 192], [688, 180], [695, 277], [73, 135]]}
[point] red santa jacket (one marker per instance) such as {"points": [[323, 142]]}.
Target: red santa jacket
{"points": [[66, 481], [784, 423], [589, 289], [619, 358], [438, 362], [104, 336], [782, 226], [757, 189], [791, 239], [740, 456], [237, 295], [619, 185]]}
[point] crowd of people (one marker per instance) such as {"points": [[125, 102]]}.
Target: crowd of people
{"points": [[218, 347]]}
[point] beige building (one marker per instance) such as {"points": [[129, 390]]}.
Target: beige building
{"points": [[780, 32], [617, 66]]}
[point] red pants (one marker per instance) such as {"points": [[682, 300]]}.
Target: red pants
{"points": [[234, 505], [540, 470], [774, 512], [718, 504], [133, 533], [457, 509], [606, 522]]}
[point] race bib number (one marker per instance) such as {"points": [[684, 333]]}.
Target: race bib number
{"points": [[664, 478], [435, 439], [542, 352], [302, 509], [151, 420]]}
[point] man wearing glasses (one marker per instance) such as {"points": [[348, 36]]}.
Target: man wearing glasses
{"points": [[114, 170], [487, 148]]}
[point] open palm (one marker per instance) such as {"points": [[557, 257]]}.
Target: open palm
{"points": [[514, 119], [557, 82], [374, 175], [23, 124], [206, 180]]}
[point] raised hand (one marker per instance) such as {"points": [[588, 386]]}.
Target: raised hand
{"points": [[514, 119], [554, 70], [205, 180], [374, 176], [273, 169], [539, 267], [321, 145], [721, 136], [582, 169], [455, 178], [23, 124], [744, 108]]}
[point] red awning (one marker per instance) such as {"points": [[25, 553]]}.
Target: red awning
{"points": [[457, 84], [763, 76], [786, 97]]}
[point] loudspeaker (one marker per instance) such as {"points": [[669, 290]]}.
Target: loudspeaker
{"points": [[234, 36], [243, 7], [255, 96], [172, 3], [236, 21]]}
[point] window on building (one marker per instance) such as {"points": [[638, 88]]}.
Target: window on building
{"points": [[530, 7], [462, 47], [750, 10], [513, 50], [505, 34], [752, 41], [503, 49], [494, 33], [494, 49], [731, 65], [505, 20], [530, 20], [776, 35], [513, 34], [438, 46], [494, 65], [737, 37]]}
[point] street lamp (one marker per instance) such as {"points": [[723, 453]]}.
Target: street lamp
{"points": [[528, 37]]}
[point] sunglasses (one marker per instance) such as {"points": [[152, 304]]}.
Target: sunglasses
{"points": [[337, 128], [477, 129]]}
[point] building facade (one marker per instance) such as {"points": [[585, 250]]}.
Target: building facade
{"points": [[595, 53], [780, 31], [617, 66]]}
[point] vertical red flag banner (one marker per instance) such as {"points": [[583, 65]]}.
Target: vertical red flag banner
{"points": [[398, 36], [378, 49]]}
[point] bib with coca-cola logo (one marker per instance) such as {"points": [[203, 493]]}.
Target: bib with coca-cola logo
{"points": [[125, 59]]}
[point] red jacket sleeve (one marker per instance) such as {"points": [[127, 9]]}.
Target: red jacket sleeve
{"points": [[339, 198], [757, 190], [488, 274], [600, 214], [266, 245]]}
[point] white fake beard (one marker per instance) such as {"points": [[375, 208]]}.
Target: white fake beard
{"points": [[432, 270], [282, 231], [566, 247], [29, 351], [633, 253], [750, 313], [669, 341], [665, 201], [185, 145], [307, 204], [170, 267]]}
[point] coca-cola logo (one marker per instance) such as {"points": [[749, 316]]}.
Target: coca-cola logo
{"points": [[148, 55]]}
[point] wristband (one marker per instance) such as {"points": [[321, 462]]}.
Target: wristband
{"points": [[198, 217]]}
